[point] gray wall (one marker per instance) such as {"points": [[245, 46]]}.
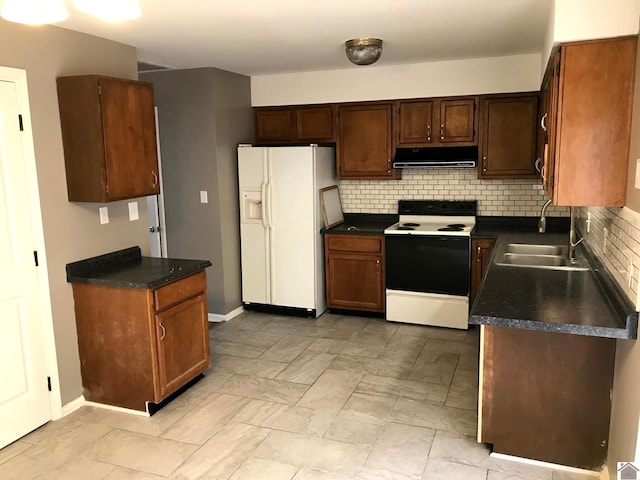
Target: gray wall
{"points": [[203, 115], [72, 231]]}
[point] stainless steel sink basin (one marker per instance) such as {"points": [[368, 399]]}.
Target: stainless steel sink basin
{"points": [[534, 260], [549, 257], [529, 249]]}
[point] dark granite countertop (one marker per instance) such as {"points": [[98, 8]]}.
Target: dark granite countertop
{"points": [[364, 224], [578, 302], [129, 269]]}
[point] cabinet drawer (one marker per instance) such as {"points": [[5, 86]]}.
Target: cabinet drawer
{"points": [[354, 243], [180, 290]]}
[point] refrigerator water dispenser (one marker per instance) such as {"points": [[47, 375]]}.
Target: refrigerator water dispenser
{"points": [[251, 206]]}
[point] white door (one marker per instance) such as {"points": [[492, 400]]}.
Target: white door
{"points": [[24, 398], [155, 209], [292, 221]]}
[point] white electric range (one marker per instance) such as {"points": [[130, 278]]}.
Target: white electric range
{"points": [[428, 262]]}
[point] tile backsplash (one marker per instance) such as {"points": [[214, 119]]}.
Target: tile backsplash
{"points": [[613, 234], [495, 197]]}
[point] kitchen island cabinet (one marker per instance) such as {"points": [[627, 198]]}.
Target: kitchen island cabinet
{"points": [[109, 138], [480, 254], [587, 101], [546, 395], [365, 142], [508, 136], [354, 268], [142, 326]]}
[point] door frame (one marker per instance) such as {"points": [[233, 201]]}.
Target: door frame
{"points": [[19, 77]]}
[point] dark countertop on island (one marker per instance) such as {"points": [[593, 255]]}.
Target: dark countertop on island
{"points": [[578, 302], [129, 269]]}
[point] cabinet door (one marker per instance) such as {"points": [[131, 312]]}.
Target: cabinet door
{"points": [[365, 141], [481, 250], [183, 343], [415, 122], [131, 156], [457, 121], [548, 123], [508, 136], [315, 123], [355, 281], [274, 125]]}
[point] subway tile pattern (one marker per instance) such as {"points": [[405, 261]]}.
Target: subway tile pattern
{"points": [[351, 407], [495, 197], [613, 234]]}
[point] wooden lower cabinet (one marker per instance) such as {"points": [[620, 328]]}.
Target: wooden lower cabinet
{"points": [[480, 254], [546, 395], [354, 268], [141, 345]]}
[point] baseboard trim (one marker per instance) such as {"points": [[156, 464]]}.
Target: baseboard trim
{"points": [[117, 409], [538, 463], [217, 317], [73, 405]]}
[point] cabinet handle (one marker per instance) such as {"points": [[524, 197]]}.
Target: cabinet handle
{"points": [[164, 332], [544, 127], [378, 265], [388, 165], [442, 131], [155, 179], [537, 164], [484, 164], [479, 254], [429, 133]]}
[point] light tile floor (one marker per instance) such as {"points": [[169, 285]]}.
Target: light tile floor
{"points": [[336, 398]]}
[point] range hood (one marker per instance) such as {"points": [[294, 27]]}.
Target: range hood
{"points": [[436, 157]]}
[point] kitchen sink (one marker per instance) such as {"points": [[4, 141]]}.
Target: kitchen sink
{"points": [[528, 249], [549, 257]]}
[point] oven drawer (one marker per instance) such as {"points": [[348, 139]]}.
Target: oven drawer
{"points": [[355, 243]]}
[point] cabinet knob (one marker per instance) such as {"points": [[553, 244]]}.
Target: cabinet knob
{"points": [[164, 332], [479, 254], [155, 178]]}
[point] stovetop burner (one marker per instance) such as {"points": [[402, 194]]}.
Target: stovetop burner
{"points": [[410, 224], [456, 225], [434, 217], [405, 227], [451, 229]]}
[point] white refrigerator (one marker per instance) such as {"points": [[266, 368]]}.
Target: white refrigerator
{"points": [[280, 226]]}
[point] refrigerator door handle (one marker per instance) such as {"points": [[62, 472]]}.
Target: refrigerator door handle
{"points": [[263, 197], [269, 203]]}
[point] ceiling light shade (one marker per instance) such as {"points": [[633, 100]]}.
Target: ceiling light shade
{"points": [[364, 51], [110, 10], [34, 12]]}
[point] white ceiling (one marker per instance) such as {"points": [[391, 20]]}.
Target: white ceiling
{"points": [[256, 37]]}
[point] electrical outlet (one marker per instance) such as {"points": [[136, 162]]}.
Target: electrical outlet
{"points": [[204, 197], [104, 215], [133, 211]]}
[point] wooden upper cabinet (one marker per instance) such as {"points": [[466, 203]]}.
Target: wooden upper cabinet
{"points": [[273, 124], [365, 141], [415, 125], [109, 138], [508, 136], [588, 146], [458, 121], [438, 121], [300, 124]]}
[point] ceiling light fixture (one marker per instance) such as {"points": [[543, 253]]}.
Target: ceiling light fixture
{"points": [[34, 12], [363, 51], [109, 10]]}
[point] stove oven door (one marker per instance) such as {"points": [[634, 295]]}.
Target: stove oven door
{"points": [[428, 263]]}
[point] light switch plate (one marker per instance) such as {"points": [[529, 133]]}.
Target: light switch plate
{"points": [[133, 211], [204, 197], [104, 215]]}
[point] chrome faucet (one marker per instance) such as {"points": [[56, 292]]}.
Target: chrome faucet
{"points": [[542, 223], [572, 236]]}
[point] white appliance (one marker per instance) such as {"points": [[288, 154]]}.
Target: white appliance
{"points": [[281, 224], [428, 263]]}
